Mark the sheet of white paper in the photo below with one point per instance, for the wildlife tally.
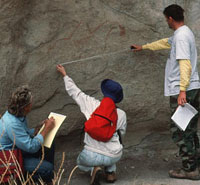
(59, 118)
(183, 115)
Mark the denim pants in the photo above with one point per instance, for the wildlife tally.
(45, 171)
(87, 160)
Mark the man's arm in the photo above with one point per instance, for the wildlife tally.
(157, 45)
(185, 74)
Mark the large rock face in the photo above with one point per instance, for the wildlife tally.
(37, 35)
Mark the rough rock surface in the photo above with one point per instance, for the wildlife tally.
(35, 36)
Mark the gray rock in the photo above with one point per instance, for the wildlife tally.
(35, 36)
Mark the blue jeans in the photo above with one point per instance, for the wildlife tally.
(45, 171)
(87, 160)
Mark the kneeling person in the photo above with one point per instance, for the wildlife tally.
(98, 153)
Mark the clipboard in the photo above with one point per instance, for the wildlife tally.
(59, 118)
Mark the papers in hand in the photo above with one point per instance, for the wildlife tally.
(59, 118)
(183, 115)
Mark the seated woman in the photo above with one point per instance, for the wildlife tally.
(14, 130)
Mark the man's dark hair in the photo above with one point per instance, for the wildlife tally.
(20, 98)
(174, 11)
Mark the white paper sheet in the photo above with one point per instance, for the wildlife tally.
(59, 118)
(183, 115)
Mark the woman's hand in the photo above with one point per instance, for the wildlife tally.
(37, 128)
(49, 125)
(61, 69)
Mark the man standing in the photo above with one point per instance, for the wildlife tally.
(182, 85)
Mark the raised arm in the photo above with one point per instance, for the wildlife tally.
(86, 103)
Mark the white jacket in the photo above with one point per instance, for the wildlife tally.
(88, 105)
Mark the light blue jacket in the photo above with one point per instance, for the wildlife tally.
(14, 129)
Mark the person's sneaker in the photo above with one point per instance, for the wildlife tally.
(182, 174)
(96, 173)
(110, 177)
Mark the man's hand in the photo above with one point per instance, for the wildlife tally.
(61, 69)
(136, 47)
(182, 98)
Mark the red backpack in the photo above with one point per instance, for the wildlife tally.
(11, 165)
(103, 121)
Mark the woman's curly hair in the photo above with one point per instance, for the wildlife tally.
(20, 98)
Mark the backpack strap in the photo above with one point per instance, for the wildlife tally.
(118, 132)
(120, 137)
(103, 117)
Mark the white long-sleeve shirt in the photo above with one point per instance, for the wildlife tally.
(184, 64)
(88, 105)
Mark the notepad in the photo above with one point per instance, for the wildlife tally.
(183, 115)
(59, 118)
